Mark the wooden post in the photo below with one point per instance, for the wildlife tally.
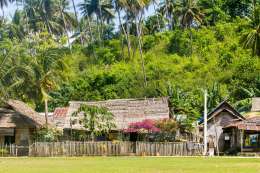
(205, 123)
(216, 135)
(241, 140)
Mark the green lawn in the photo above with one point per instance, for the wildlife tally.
(129, 165)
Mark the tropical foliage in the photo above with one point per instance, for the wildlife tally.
(106, 49)
(96, 120)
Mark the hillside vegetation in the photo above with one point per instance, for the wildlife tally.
(181, 50)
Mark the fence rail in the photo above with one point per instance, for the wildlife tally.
(70, 148)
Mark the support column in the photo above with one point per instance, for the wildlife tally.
(241, 140)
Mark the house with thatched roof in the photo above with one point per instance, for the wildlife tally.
(125, 111)
(232, 131)
(18, 122)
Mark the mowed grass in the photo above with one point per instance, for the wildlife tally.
(130, 165)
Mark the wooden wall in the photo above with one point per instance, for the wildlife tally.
(215, 128)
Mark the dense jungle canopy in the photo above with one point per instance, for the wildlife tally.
(61, 50)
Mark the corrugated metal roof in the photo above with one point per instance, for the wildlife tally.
(60, 112)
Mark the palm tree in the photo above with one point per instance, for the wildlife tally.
(50, 15)
(13, 69)
(68, 21)
(157, 14)
(252, 38)
(77, 19)
(119, 6)
(136, 8)
(171, 10)
(47, 67)
(190, 14)
(101, 9)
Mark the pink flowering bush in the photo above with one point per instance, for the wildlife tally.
(145, 126)
(154, 130)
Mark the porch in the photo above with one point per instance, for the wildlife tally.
(243, 135)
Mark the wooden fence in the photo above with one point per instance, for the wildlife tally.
(13, 150)
(70, 148)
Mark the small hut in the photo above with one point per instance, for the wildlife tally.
(18, 122)
(220, 117)
(247, 131)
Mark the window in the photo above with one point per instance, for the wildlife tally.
(9, 140)
(251, 140)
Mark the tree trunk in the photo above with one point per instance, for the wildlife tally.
(140, 49)
(191, 41)
(92, 135)
(46, 112)
(65, 25)
(101, 21)
(76, 15)
(126, 35)
(157, 16)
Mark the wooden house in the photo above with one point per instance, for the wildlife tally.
(247, 131)
(125, 111)
(232, 131)
(219, 118)
(18, 122)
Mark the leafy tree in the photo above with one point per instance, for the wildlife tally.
(96, 120)
(236, 8)
(212, 10)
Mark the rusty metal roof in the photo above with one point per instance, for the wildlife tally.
(250, 124)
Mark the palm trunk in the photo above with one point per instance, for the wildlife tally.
(140, 49)
(46, 112)
(76, 15)
(157, 16)
(191, 41)
(101, 20)
(126, 35)
(65, 25)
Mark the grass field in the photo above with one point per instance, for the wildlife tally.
(129, 165)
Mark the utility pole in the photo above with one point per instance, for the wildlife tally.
(205, 123)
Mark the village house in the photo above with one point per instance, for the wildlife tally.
(125, 111)
(230, 130)
(18, 122)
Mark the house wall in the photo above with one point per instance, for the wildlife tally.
(2, 140)
(22, 136)
(215, 128)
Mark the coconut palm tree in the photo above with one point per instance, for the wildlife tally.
(171, 10)
(191, 14)
(77, 20)
(121, 5)
(46, 68)
(252, 38)
(100, 9)
(136, 8)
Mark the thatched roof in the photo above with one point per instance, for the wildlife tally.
(17, 114)
(125, 111)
